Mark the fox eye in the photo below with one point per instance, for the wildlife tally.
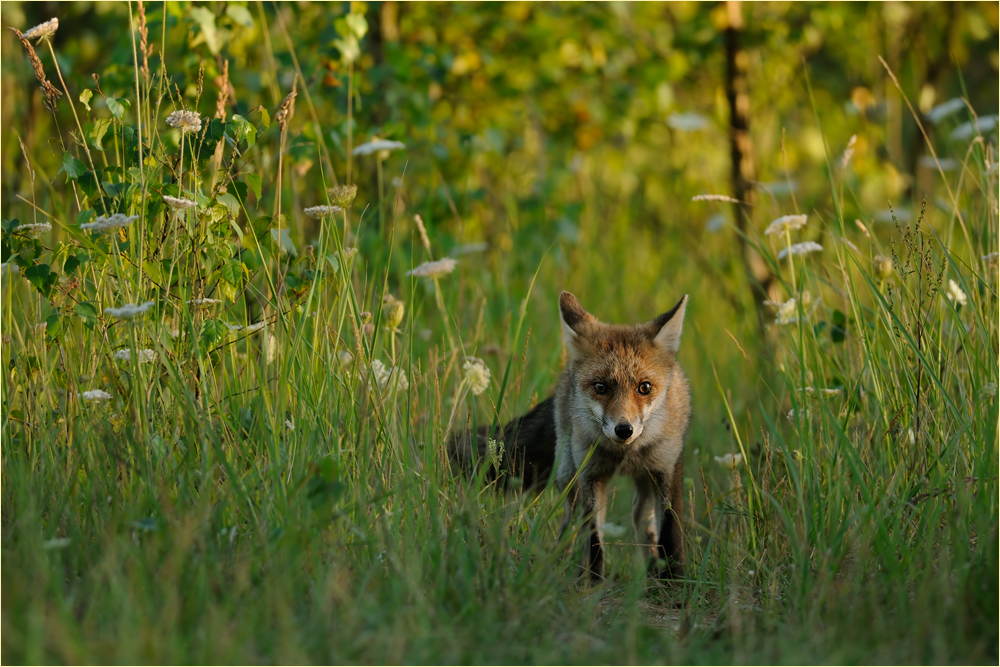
(600, 388)
(645, 388)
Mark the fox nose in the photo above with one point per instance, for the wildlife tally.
(623, 431)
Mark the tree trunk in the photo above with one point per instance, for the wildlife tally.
(741, 153)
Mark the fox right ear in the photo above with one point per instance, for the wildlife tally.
(573, 316)
(669, 325)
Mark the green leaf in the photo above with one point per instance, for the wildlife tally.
(284, 241)
(101, 128)
(244, 130)
(85, 97)
(240, 15)
(118, 106)
(88, 312)
(253, 180)
(42, 278)
(265, 118)
(239, 188)
(71, 264)
(838, 329)
(85, 216)
(206, 21)
(74, 168)
(358, 24)
(212, 331)
(260, 225)
(232, 272)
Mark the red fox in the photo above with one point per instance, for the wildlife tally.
(623, 401)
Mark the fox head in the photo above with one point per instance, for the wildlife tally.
(621, 372)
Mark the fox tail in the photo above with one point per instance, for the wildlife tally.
(528, 452)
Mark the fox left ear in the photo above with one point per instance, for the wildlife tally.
(668, 326)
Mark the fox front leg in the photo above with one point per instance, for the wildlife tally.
(595, 499)
(670, 547)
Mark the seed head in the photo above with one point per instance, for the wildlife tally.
(34, 228)
(882, 267)
(394, 310)
(342, 195)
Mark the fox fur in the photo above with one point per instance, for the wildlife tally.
(621, 406)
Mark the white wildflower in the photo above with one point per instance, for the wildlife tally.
(378, 145)
(982, 126)
(179, 203)
(204, 303)
(46, 29)
(945, 109)
(990, 390)
(723, 198)
(345, 357)
(787, 312)
(289, 425)
(477, 375)
(109, 222)
(95, 395)
(470, 248)
(434, 269)
(129, 310)
(272, 348)
(185, 121)
(812, 391)
(145, 356)
(786, 223)
(955, 294)
(348, 252)
(34, 228)
(848, 152)
(687, 121)
(383, 376)
(850, 245)
(613, 531)
(320, 212)
(792, 414)
(946, 163)
(800, 249)
(729, 461)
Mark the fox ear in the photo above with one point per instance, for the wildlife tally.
(668, 326)
(573, 317)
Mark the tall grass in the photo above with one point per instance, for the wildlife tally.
(262, 490)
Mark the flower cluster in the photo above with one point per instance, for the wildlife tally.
(179, 203)
(800, 249)
(786, 223)
(109, 222)
(342, 195)
(185, 121)
(477, 375)
(729, 461)
(434, 269)
(144, 357)
(46, 29)
(95, 395)
(320, 212)
(204, 303)
(34, 228)
(383, 376)
(378, 145)
(129, 310)
(956, 295)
